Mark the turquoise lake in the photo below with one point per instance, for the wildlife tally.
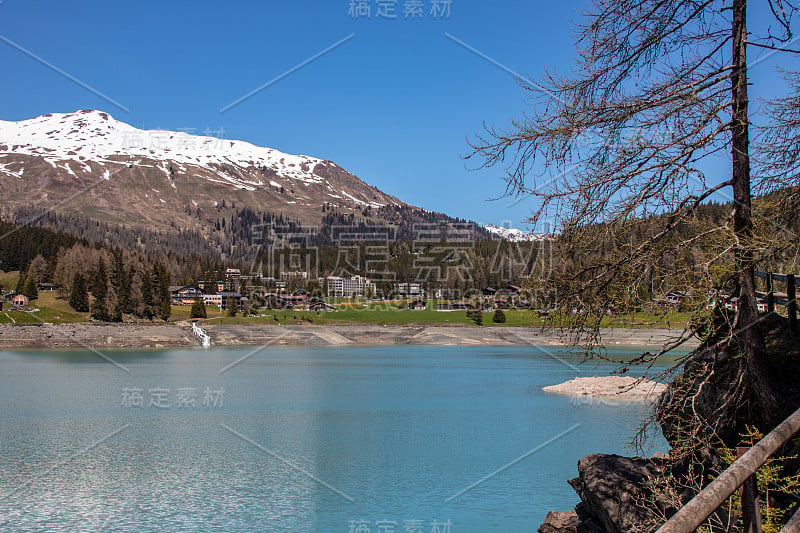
(387, 439)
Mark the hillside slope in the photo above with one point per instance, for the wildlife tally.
(90, 164)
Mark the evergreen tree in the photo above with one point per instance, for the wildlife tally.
(476, 315)
(198, 309)
(147, 295)
(79, 296)
(230, 305)
(30, 287)
(121, 282)
(99, 283)
(100, 293)
(162, 278)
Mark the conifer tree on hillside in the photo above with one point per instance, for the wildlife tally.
(198, 309)
(148, 301)
(100, 293)
(79, 296)
(99, 278)
(30, 285)
(121, 283)
(164, 297)
(230, 306)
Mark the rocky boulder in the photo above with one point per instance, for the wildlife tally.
(577, 521)
(616, 497)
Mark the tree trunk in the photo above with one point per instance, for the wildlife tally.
(747, 336)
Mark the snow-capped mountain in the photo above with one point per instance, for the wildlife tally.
(513, 234)
(90, 161)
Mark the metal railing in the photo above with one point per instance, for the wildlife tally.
(694, 513)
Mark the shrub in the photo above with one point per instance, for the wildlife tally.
(476, 315)
(499, 317)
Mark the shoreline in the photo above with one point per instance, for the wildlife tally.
(179, 334)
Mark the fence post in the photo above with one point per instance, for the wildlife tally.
(751, 514)
(693, 514)
(770, 294)
(792, 302)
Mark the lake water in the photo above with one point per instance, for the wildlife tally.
(394, 439)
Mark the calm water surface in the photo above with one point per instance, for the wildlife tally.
(296, 439)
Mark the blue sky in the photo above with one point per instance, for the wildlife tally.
(394, 104)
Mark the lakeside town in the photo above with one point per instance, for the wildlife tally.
(377, 265)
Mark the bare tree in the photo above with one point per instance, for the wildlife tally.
(658, 99)
(780, 147)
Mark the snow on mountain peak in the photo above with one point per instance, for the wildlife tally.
(95, 135)
(513, 234)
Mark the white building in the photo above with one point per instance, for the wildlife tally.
(408, 289)
(348, 287)
(213, 299)
(295, 274)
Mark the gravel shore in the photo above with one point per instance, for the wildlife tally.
(44, 336)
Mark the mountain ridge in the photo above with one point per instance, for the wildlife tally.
(88, 164)
(63, 156)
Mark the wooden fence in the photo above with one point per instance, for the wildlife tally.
(740, 474)
(787, 299)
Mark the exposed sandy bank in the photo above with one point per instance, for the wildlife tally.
(179, 334)
(623, 387)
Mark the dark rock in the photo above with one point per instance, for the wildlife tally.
(577, 521)
(614, 491)
(557, 522)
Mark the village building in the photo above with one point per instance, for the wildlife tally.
(19, 302)
(320, 306)
(453, 306)
(417, 305)
(185, 294)
(291, 300)
(408, 289)
(227, 296)
(675, 297)
(356, 286)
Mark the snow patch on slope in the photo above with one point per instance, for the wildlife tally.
(513, 234)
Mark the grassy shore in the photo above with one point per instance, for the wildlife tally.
(52, 310)
(389, 315)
